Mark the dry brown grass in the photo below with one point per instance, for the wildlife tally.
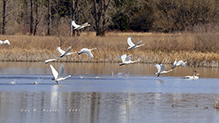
(197, 49)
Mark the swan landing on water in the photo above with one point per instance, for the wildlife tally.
(58, 76)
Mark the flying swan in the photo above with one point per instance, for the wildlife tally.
(4, 42)
(58, 76)
(65, 53)
(160, 69)
(78, 27)
(132, 45)
(126, 60)
(178, 63)
(49, 60)
(87, 51)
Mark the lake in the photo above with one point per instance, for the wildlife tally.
(106, 93)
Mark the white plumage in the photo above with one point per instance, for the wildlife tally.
(78, 27)
(65, 53)
(160, 69)
(126, 60)
(58, 76)
(132, 45)
(87, 51)
(49, 60)
(178, 63)
(5, 42)
(194, 76)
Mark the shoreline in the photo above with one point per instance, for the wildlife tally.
(159, 48)
(190, 63)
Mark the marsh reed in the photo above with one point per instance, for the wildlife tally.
(199, 49)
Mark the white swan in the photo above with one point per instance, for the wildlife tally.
(14, 82)
(65, 53)
(194, 76)
(126, 60)
(78, 27)
(49, 60)
(35, 83)
(178, 63)
(87, 51)
(5, 42)
(160, 69)
(132, 45)
(58, 76)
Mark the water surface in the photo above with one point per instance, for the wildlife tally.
(106, 93)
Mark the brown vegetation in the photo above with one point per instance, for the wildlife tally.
(196, 49)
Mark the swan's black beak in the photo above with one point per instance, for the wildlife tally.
(79, 53)
(53, 78)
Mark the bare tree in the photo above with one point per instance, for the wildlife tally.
(37, 20)
(31, 17)
(49, 18)
(99, 17)
(3, 17)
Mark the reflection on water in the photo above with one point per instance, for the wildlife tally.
(117, 107)
(106, 93)
(102, 68)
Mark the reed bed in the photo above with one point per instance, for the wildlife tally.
(199, 50)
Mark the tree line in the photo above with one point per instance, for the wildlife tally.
(53, 17)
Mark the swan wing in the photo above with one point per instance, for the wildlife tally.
(181, 62)
(60, 50)
(49, 60)
(88, 52)
(130, 43)
(74, 24)
(85, 25)
(7, 42)
(128, 58)
(69, 48)
(162, 67)
(123, 57)
(139, 43)
(174, 63)
(54, 72)
(158, 67)
(61, 71)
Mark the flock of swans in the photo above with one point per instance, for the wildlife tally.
(58, 76)
(160, 67)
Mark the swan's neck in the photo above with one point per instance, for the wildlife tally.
(135, 61)
(168, 71)
(72, 53)
(140, 45)
(66, 77)
(93, 49)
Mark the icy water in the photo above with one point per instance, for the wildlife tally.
(106, 93)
